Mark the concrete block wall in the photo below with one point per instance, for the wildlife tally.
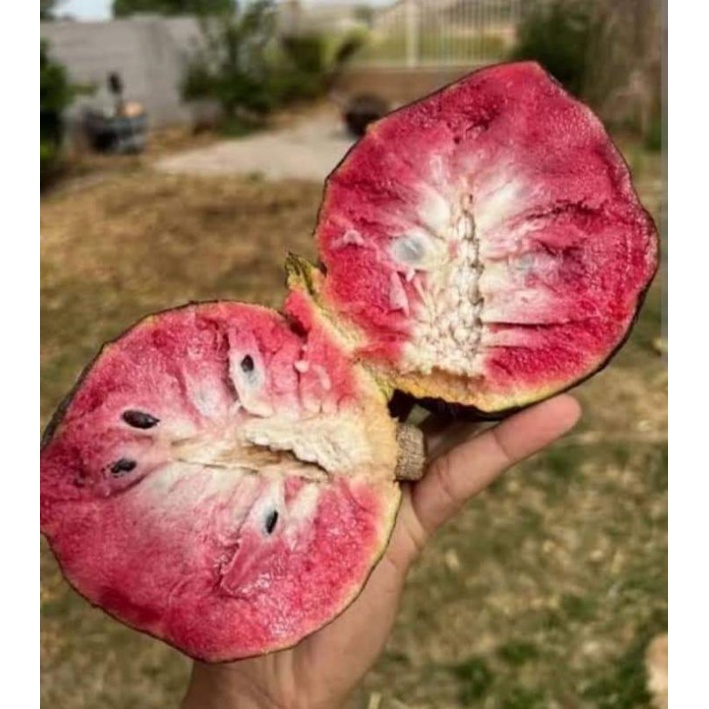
(150, 54)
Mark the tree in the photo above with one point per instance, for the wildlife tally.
(559, 35)
(232, 65)
(55, 94)
(249, 68)
(125, 8)
(47, 8)
(365, 14)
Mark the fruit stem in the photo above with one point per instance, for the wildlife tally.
(412, 453)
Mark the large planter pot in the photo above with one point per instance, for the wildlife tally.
(117, 134)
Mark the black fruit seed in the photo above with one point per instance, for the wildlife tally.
(139, 419)
(247, 364)
(123, 466)
(271, 520)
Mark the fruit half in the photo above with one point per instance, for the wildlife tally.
(485, 245)
(220, 481)
(224, 477)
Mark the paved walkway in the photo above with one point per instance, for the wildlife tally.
(309, 151)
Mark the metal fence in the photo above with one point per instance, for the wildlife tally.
(437, 33)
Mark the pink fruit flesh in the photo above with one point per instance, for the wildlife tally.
(486, 241)
(220, 481)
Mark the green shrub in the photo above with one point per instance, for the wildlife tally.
(55, 94)
(249, 71)
(232, 67)
(48, 162)
(654, 134)
(126, 8)
(311, 62)
(306, 52)
(559, 35)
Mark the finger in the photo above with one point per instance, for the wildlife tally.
(440, 430)
(448, 437)
(470, 467)
(435, 424)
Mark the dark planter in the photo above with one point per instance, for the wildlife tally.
(117, 134)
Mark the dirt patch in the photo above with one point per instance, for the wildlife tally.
(307, 150)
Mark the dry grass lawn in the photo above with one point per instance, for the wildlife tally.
(543, 593)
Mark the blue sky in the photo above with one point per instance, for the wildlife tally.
(87, 9)
(101, 9)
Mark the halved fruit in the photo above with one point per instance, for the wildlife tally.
(220, 481)
(224, 478)
(485, 245)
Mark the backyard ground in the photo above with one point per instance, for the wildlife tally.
(543, 593)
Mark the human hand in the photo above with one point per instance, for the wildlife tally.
(324, 668)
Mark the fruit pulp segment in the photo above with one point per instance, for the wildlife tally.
(214, 481)
(488, 240)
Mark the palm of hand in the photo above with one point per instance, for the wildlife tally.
(323, 669)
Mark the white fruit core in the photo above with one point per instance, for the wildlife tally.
(315, 446)
(443, 265)
(335, 444)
